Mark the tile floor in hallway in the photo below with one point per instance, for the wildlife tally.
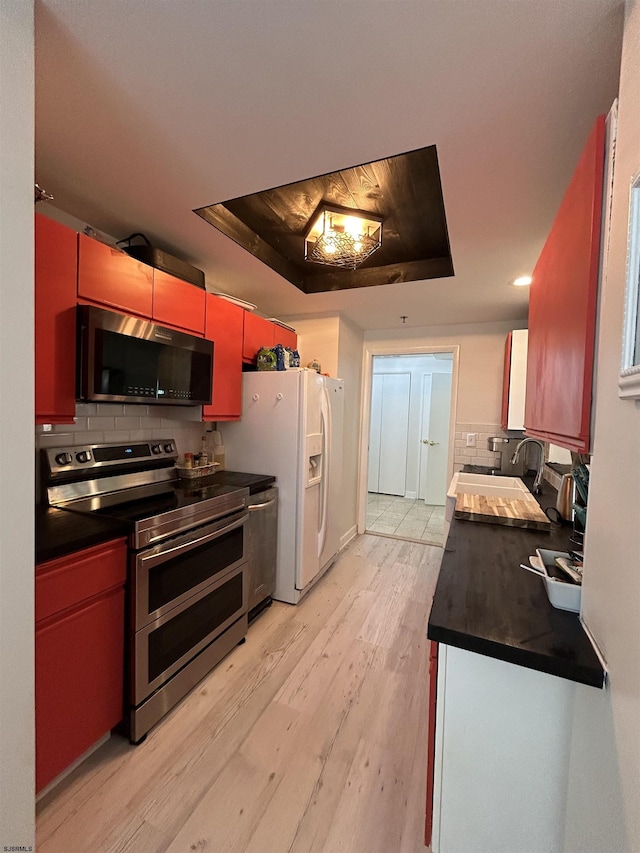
(406, 518)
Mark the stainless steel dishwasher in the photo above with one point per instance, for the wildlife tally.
(262, 538)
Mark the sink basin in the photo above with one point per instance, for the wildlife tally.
(485, 484)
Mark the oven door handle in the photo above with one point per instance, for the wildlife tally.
(153, 559)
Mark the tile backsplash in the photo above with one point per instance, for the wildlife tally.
(97, 423)
(480, 454)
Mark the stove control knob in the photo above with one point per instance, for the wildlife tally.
(84, 456)
(168, 448)
(156, 448)
(64, 459)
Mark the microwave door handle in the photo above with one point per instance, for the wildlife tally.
(256, 507)
(154, 559)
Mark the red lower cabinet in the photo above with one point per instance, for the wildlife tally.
(79, 654)
(431, 740)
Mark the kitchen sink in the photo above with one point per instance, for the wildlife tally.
(485, 484)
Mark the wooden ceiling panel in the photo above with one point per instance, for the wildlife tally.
(404, 190)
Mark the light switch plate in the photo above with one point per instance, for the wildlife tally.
(472, 437)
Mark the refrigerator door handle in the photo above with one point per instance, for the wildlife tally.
(325, 415)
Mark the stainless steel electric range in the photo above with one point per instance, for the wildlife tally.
(186, 587)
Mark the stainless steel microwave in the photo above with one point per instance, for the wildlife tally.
(126, 359)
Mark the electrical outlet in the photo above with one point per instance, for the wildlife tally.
(471, 439)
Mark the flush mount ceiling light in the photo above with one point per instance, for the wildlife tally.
(341, 237)
(277, 226)
(522, 281)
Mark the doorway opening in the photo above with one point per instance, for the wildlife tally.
(408, 428)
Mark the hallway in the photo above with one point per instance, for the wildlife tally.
(405, 518)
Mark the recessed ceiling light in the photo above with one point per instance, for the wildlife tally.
(522, 281)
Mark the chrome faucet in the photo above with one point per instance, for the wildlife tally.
(514, 459)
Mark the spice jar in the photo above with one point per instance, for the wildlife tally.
(188, 460)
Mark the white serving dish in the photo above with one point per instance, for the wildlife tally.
(484, 484)
(563, 595)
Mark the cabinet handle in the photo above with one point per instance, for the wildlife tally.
(430, 443)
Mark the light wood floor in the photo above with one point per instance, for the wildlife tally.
(309, 737)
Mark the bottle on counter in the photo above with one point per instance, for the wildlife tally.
(188, 460)
(204, 452)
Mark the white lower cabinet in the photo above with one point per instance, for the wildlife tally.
(503, 735)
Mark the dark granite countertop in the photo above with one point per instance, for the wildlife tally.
(60, 532)
(254, 482)
(485, 603)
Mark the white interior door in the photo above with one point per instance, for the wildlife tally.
(436, 406)
(394, 390)
(374, 433)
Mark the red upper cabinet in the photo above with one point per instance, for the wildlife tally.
(178, 303)
(258, 333)
(113, 278)
(56, 266)
(285, 337)
(562, 309)
(224, 326)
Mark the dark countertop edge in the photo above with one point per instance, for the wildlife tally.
(592, 677)
(60, 532)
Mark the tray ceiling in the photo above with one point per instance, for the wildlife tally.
(405, 191)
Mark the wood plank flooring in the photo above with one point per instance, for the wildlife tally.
(309, 738)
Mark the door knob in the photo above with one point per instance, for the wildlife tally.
(430, 443)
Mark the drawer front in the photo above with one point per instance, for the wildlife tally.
(67, 581)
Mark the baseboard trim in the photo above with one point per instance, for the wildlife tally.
(348, 536)
(411, 496)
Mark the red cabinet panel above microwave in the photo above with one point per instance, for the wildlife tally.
(110, 277)
(178, 303)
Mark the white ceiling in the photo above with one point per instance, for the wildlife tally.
(147, 109)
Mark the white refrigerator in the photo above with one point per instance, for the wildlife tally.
(291, 427)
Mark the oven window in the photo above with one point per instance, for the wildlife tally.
(169, 642)
(170, 580)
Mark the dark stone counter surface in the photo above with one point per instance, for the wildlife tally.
(60, 532)
(254, 482)
(485, 603)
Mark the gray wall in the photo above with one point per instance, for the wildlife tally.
(17, 752)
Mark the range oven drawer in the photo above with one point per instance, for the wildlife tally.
(179, 568)
(167, 645)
